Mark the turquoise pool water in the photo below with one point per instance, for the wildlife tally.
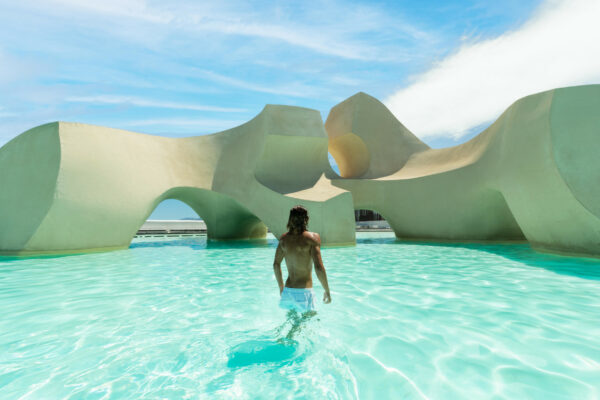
(186, 318)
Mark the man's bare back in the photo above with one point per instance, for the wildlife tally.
(300, 252)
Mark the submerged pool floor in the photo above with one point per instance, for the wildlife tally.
(186, 318)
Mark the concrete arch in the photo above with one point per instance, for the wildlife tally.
(533, 173)
(106, 182)
(446, 206)
(225, 218)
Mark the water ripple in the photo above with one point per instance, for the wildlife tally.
(165, 319)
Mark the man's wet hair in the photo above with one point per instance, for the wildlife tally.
(298, 220)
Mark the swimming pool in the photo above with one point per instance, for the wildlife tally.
(186, 318)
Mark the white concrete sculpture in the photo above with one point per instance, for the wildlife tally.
(534, 174)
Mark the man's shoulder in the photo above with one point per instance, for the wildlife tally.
(314, 237)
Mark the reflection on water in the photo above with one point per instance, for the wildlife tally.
(200, 243)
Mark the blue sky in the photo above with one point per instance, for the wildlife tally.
(446, 69)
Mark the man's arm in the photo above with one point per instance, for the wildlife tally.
(319, 267)
(279, 253)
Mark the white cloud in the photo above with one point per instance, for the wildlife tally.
(559, 46)
(317, 28)
(128, 100)
(137, 9)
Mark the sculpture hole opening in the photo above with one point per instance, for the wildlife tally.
(370, 220)
(351, 155)
(333, 163)
(172, 209)
(173, 217)
(220, 216)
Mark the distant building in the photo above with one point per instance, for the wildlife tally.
(367, 215)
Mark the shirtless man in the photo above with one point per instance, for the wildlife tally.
(301, 249)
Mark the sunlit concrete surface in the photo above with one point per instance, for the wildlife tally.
(532, 175)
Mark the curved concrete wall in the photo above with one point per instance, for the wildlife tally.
(106, 182)
(533, 175)
(29, 166)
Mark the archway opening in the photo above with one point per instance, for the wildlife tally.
(173, 209)
(173, 217)
(218, 215)
(370, 220)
